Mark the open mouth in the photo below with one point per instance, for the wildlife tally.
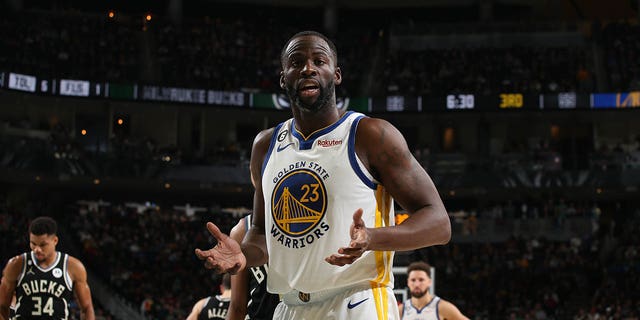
(309, 89)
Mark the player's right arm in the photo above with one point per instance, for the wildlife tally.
(254, 245)
(239, 281)
(196, 309)
(10, 276)
(228, 256)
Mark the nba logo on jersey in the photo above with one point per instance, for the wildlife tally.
(57, 272)
(299, 202)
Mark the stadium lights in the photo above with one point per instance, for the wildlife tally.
(148, 17)
(83, 132)
(111, 14)
(120, 121)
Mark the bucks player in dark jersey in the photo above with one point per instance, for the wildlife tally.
(214, 307)
(44, 280)
(250, 299)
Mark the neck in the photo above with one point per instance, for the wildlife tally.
(420, 303)
(46, 263)
(307, 122)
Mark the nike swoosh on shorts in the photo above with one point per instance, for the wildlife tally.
(351, 306)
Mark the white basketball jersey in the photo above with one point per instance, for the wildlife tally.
(428, 312)
(312, 186)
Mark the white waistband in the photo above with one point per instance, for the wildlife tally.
(295, 297)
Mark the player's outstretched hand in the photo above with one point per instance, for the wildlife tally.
(360, 239)
(226, 256)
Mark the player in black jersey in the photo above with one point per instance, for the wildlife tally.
(44, 280)
(213, 307)
(250, 299)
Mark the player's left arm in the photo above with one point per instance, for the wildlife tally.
(448, 311)
(384, 151)
(386, 154)
(81, 289)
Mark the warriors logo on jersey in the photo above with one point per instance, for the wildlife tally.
(299, 202)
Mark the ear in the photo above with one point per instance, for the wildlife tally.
(282, 84)
(338, 76)
(55, 240)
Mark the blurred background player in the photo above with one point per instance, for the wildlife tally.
(250, 299)
(44, 279)
(213, 307)
(423, 305)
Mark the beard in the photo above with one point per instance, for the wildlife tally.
(323, 100)
(419, 294)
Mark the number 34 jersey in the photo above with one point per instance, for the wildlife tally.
(43, 293)
(312, 186)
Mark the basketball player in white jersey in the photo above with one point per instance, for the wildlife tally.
(44, 280)
(423, 305)
(323, 203)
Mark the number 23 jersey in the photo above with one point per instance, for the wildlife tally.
(312, 186)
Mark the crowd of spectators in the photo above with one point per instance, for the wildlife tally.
(621, 46)
(535, 278)
(137, 247)
(486, 71)
(242, 53)
(69, 45)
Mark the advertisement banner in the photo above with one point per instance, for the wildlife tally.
(226, 98)
(169, 94)
(22, 82)
(565, 100)
(121, 91)
(397, 104)
(74, 88)
(615, 100)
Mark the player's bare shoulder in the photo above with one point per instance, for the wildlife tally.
(380, 144)
(13, 267)
(449, 311)
(263, 138)
(238, 231)
(76, 269)
(261, 144)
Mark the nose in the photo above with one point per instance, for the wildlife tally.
(309, 69)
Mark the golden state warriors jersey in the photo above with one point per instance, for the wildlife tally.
(428, 312)
(312, 186)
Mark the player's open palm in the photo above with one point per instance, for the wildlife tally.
(360, 240)
(226, 256)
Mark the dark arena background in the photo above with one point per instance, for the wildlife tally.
(131, 123)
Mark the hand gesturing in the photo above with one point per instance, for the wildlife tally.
(226, 256)
(360, 240)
